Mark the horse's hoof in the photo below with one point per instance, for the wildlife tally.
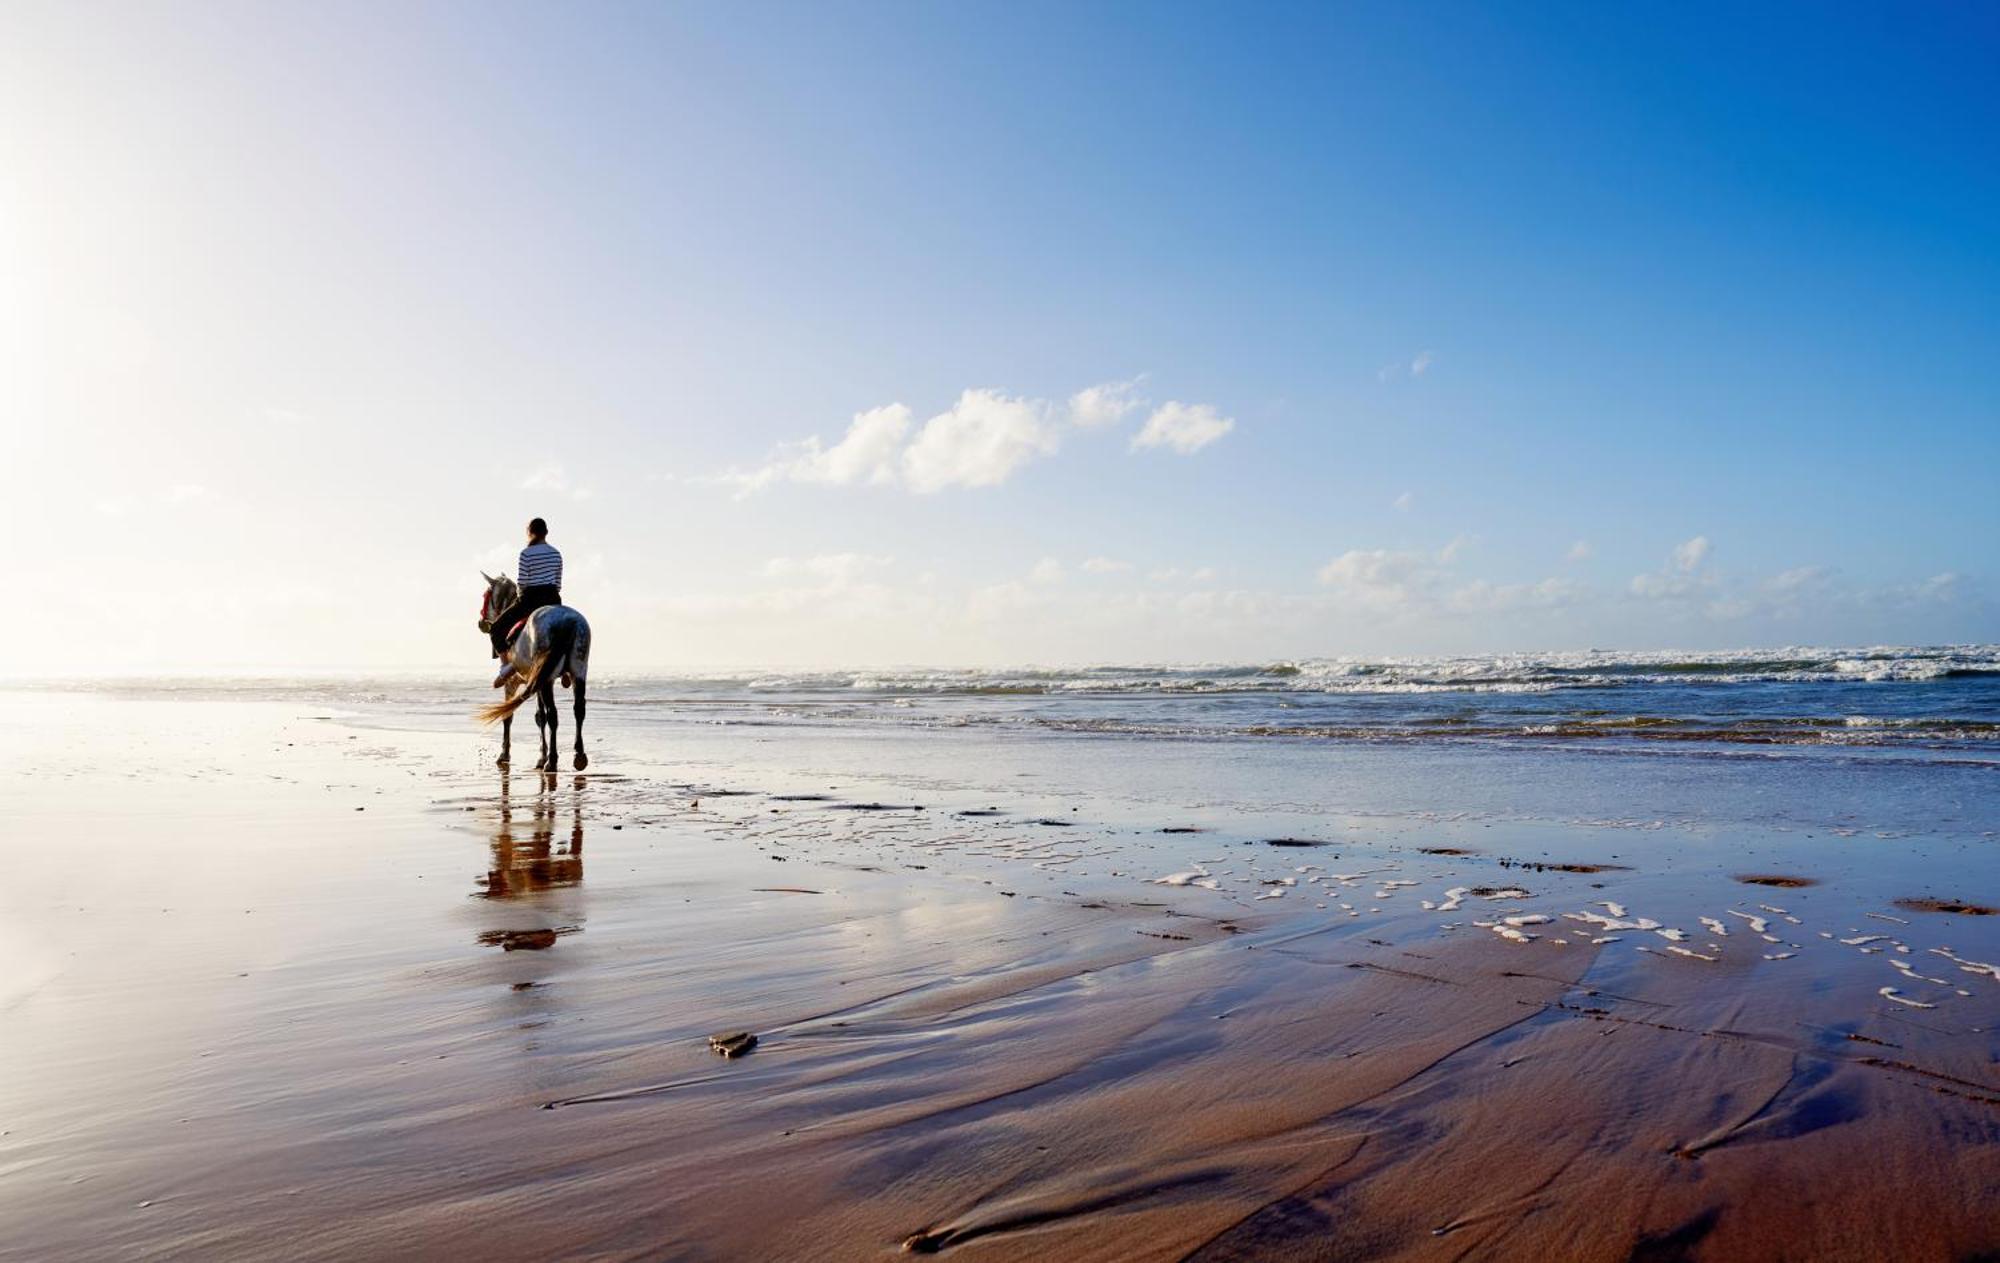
(502, 761)
(582, 760)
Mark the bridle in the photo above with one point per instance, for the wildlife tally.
(486, 606)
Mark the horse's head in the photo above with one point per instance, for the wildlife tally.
(501, 592)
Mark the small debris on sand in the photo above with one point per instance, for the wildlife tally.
(732, 1044)
(521, 940)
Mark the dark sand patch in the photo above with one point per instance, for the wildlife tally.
(1446, 850)
(1955, 906)
(1780, 880)
(1183, 828)
(1542, 866)
(1294, 842)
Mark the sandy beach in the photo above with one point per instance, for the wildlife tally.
(290, 980)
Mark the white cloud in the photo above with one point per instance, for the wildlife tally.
(1416, 366)
(1798, 579)
(1105, 565)
(1681, 577)
(1654, 587)
(1688, 556)
(1380, 579)
(1106, 402)
(1941, 587)
(831, 567)
(980, 442)
(1580, 550)
(1482, 597)
(1403, 502)
(1047, 570)
(551, 478)
(1394, 583)
(867, 453)
(1186, 428)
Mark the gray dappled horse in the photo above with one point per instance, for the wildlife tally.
(553, 644)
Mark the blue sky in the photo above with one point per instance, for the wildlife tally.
(1538, 327)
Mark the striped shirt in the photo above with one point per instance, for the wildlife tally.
(541, 566)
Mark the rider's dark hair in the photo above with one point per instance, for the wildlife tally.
(538, 527)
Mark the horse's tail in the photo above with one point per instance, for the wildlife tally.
(552, 660)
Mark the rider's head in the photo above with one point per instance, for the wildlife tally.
(537, 530)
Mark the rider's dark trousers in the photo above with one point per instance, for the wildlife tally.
(532, 598)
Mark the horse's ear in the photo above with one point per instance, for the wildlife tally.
(487, 577)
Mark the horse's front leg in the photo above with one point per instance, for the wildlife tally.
(582, 759)
(555, 723)
(542, 731)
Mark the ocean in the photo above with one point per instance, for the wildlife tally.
(1939, 702)
(1881, 740)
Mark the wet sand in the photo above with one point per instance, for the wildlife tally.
(282, 985)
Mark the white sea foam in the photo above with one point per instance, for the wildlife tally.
(1608, 924)
(1969, 966)
(1890, 993)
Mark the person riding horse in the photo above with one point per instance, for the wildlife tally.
(540, 575)
(541, 643)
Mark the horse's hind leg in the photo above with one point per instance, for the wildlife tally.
(506, 741)
(582, 759)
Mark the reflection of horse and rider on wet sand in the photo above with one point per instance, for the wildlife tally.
(538, 862)
(539, 643)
